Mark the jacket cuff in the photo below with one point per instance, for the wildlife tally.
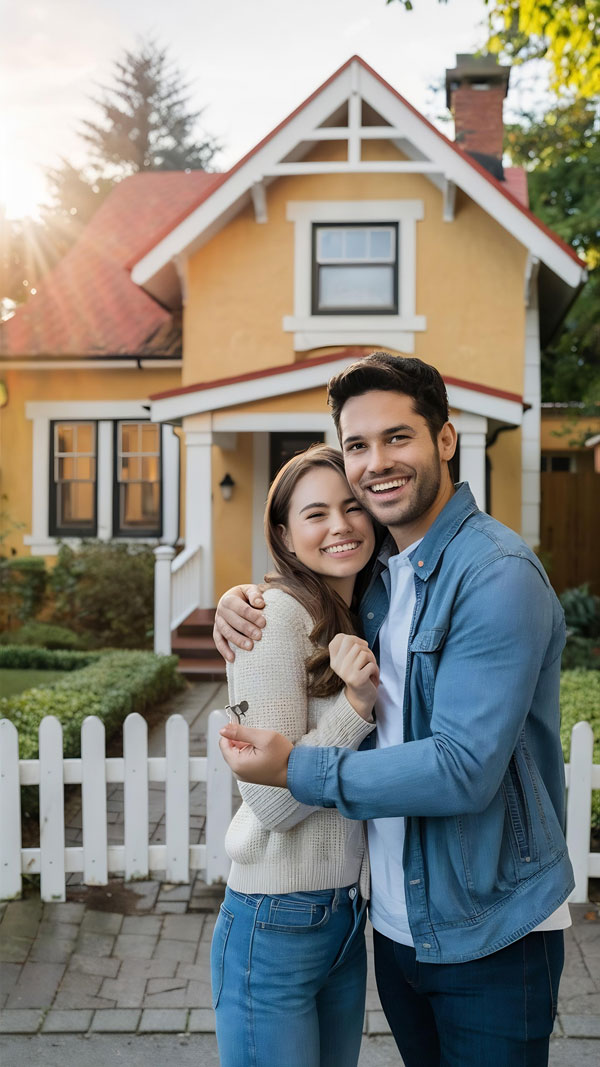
(307, 771)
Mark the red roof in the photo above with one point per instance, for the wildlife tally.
(357, 352)
(88, 305)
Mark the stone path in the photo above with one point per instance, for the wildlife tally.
(134, 959)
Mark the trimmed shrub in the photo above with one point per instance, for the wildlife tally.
(42, 635)
(106, 591)
(583, 652)
(582, 611)
(111, 687)
(580, 702)
(26, 658)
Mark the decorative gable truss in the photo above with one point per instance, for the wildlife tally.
(355, 106)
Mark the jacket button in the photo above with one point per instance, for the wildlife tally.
(527, 859)
(426, 944)
(420, 563)
(370, 615)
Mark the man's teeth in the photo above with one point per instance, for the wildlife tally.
(335, 549)
(382, 487)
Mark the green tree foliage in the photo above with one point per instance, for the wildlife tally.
(146, 123)
(562, 154)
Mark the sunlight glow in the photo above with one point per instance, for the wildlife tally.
(22, 184)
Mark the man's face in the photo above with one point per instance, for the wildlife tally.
(393, 466)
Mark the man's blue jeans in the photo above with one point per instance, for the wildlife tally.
(289, 978)
(497, 1011)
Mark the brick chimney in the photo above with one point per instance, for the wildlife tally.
(475, 91)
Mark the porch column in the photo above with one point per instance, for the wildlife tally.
(163, 556)
(198, 503)
(472, 437)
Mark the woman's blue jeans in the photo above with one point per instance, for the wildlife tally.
(497, 1011)
(289, 977)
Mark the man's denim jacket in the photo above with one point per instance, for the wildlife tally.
(480, 777)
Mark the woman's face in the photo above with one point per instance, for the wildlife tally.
(328, 530)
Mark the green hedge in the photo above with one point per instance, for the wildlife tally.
(43, 635)
(24, 658)
(111, 687)
(580, 702)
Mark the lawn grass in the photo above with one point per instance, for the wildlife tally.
(14, 681)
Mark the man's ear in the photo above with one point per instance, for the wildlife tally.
(285, 537)
(447, 441)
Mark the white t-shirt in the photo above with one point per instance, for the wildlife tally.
(386, 836)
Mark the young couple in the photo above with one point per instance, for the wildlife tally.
(462, 783)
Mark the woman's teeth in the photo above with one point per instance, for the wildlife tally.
(336, 549)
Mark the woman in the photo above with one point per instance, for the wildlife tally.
(288, 956)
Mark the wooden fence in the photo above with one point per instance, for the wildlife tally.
(569, 525)
(136, 858)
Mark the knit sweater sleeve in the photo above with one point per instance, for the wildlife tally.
(272, 679)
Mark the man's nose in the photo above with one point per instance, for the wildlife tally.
(378, 461)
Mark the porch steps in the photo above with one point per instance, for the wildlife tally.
(192, 641)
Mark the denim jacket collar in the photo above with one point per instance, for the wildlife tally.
(460, 506)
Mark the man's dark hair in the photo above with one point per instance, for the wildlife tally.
(398, 374)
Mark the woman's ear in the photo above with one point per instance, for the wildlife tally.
(285, 537)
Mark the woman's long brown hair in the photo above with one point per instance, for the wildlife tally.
(328, 611)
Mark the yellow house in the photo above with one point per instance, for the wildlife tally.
(355, 225)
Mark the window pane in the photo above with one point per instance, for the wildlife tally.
(149, 442)
(356, 287)
(84, 439)
(150, 469)
(66, 470)
(129, 437)
(131, 469)
(140, 505)
(330, 244)
(64, 438)
(382, 244)
(356, 244)
(84, 469)
(75, 502)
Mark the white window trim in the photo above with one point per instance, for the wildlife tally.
(42, 414)
(317, 331)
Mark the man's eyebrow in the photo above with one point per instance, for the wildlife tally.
(403, 428)
(320, 504)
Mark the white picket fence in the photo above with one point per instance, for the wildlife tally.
(95, 858)
(136, 858)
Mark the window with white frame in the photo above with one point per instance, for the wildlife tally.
(355, 269)
(355, 273)
(137, 499)
(73, 479)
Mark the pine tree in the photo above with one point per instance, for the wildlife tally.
(146, 123)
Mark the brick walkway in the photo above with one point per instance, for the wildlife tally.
(135, 958)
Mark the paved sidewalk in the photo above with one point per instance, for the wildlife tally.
(133, 960)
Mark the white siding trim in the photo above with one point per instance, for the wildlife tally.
(260, 487)
(88, 409)
(170, 486)
(104, 480)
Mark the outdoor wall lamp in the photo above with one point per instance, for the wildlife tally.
(226, 485)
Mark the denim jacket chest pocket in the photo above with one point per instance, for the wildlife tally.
(425, 649)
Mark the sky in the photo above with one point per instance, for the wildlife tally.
(248, 64)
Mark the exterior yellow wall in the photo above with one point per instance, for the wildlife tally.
(232, 519)
(566, 432)
(469, 282)
(16, 437)
(505, 482)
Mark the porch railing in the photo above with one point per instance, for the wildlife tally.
(177, 591)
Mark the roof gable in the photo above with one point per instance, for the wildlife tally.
(356, 91)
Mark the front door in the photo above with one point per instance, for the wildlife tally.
(284, 445)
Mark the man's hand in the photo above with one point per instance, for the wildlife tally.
(238, 620)
(259, 756)
(353, 662)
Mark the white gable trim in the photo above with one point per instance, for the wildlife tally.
(352, 82)
(170, 408)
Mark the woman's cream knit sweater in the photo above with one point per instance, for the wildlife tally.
(276, 844)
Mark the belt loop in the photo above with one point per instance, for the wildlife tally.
(335, 901)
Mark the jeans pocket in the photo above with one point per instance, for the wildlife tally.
(217, 952)
(286, 915)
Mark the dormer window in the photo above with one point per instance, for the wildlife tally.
(355, 269)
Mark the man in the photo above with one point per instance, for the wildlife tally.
(465, 789)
